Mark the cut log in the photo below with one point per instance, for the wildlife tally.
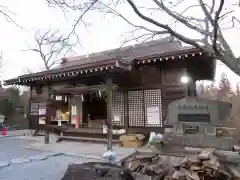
(206, 166)
(195, 168)
(206, 153)
(222, 170)
(212, 163)
(194, 160)
(184, 160)
(133, 165)
(234, 171)
(192, 175)
(178, 175)
(168, 178)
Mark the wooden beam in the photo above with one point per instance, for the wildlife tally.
(80, 90)
(109, 112)
(29, 109)
(126, 114)
(46, 132)
(69, 109)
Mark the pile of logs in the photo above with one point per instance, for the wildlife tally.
(150, 165)
(202, 166)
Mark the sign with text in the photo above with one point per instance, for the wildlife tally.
(42, 111)
(153, 115)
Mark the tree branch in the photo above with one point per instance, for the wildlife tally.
(50, 46)
(216, 27)
(5, 12)
(166, 27)
(2, 62)
(130, 23)
(208, 27)
(180, 18)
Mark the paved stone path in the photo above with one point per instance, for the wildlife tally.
(11, 152)
(90, 150)
(18, 163)
(12, 148)
(50, 169)
(31, 159)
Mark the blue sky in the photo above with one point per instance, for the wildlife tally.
(102, 33)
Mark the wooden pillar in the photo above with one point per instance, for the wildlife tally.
(28, 115)
(126, 114)
(69, 109)
(109, 112)
(46, 132)
(144, 107)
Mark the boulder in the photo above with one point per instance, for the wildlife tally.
(97, 171)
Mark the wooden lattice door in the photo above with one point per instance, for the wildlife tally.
(118, 108)
(136, 108)
(153, 108)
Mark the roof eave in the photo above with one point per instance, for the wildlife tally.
(100, 67)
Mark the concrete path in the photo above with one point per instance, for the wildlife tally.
(81, 149)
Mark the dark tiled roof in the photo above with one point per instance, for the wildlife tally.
(134, 51)
(153, 49)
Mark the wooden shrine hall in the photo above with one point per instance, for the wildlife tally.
(128, 87)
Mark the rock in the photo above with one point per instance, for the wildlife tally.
(97, 171)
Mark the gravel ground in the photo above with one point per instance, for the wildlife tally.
(52, 168)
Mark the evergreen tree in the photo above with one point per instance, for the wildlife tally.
(10, 101)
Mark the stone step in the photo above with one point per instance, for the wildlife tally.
(86, 139)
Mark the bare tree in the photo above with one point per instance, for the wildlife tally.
(27, 70)
(213, 17)
(8, 15)
(50, 46)
(2, 62)
(225, 87)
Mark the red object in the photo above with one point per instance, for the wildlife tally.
(4, 131)
(76, 121)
